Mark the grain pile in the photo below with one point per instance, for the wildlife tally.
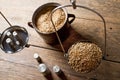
(44, 23)
(84, 57)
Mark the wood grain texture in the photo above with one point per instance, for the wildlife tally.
(22, 66)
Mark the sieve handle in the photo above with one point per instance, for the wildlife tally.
(71, 16)
(30, 24)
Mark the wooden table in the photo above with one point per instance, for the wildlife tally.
(22, 65)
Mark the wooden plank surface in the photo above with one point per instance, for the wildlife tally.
(22, 66)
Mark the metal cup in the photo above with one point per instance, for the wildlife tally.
(51, 37)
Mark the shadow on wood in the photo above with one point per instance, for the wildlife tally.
(49, 76)
(72, 38)
(62, 76)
